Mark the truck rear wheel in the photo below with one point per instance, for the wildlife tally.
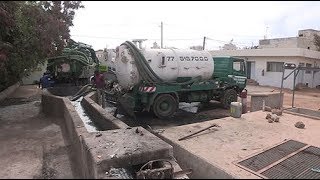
(165, 106)
(229, 96)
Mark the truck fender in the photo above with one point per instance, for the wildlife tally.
(153, 97)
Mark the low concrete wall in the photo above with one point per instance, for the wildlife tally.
(5, 93)
(74, 133)
(309, 113)
(92, 154)
(201, 169)
(273, 100)
(100, 116)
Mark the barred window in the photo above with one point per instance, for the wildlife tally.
(308, 65)
(274, 66)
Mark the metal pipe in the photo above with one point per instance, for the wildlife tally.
(281, 104)
(213, 125)
(294, 87)
(291, 72)
(161, 35)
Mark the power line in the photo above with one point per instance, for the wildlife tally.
(169, 39)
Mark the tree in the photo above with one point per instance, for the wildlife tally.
(31, 31)
(317, 41)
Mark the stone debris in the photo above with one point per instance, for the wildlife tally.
(98, 134)
(272, 118)
(268, 116)
(299, 125)
(267, 108)
(278, 112)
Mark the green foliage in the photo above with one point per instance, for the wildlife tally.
(31, 31)
(317, 41)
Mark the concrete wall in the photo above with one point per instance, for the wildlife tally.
(201, 169)
(5, 93)
(291, 42)
(91, 156)
(100, 116)
(273, 100)
(74, 133)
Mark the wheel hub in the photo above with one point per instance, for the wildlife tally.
(164, 106)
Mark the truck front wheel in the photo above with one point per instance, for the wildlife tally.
(229, 96)
(165, 106)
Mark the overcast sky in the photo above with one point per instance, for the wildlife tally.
(110, 23)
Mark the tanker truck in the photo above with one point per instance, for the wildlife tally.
(158, 79)
(76, 64)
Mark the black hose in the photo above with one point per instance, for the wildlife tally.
(146, 72)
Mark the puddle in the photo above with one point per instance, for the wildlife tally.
(90, 126)
(190, 107)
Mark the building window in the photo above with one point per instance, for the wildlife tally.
(274, 66)
(308, 65)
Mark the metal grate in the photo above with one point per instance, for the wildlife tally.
(272, 155)
(297, 166)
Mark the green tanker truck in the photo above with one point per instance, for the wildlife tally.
(76, 64)
(158, 79)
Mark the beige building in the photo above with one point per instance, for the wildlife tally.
(106, 57)
(264, 64)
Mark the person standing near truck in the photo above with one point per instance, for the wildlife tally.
(100, 84)
(46, 81)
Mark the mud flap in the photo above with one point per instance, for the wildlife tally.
(126, 103)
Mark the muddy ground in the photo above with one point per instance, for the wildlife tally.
(189, 113)
(32, 146)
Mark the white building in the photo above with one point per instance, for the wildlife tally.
(107, 57)
(264, 64)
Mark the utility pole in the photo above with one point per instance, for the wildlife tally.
(161, 35)
(204, 42)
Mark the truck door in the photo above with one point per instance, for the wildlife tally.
(239, 72)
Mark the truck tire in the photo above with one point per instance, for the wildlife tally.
(229, 96)
(164, 106)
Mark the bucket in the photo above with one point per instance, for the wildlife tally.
(236, 109)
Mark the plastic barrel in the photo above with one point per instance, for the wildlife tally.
(236, 109)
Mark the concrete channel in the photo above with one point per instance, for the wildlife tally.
(114, 150)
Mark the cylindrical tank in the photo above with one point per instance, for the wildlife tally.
(168, 64)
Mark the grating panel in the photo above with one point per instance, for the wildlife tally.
(298, 166)
(272, 155)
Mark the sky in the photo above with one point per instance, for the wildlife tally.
(107, 24)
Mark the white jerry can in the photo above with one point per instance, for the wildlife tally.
(236, 109)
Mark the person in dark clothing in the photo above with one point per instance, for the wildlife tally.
(45, 81)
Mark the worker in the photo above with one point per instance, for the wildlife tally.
(100, 84)
(45, 81)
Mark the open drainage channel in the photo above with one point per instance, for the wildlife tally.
(89, 124)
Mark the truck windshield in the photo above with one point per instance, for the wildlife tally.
(238, 65)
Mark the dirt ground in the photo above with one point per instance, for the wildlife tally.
(306, 98)
(237, 138)
(32, 146)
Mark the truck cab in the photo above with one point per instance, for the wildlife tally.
(230, 72)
